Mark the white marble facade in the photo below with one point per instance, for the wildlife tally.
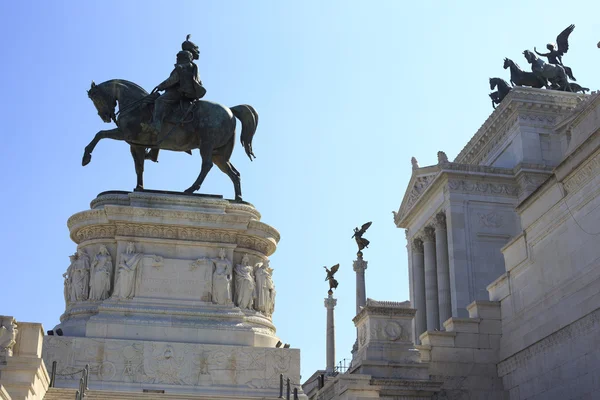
(513, 219)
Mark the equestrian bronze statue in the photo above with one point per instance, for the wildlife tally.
(188, 123)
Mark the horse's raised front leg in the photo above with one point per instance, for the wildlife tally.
(139, 156)
(207, 163)
(115, 134)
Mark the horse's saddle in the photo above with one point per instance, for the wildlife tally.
(181, 113)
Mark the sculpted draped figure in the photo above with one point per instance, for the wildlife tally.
(68, 277)
(265, 288)
(8, 335)
(221, 284)
(244, 283)
(125, 284)
(100, 275)
(79, 276)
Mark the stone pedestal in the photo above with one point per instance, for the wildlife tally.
(172, 292)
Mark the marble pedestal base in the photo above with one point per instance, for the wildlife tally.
(171, 292)
(200, 369)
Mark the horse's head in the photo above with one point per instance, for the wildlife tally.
(493, 83)
(529, 56)
(104, 103)
(507, 63)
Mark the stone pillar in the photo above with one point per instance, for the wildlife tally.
(431, 289)
(419, 288)
(359, 267)
(443, 271)
(330, 303)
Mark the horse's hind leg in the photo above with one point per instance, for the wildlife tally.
(231, 172)
(207, 163)
(139, 155)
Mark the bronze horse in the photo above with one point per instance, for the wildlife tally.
(212, 130)
(518, 77)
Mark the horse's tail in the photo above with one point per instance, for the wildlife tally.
(249, 118)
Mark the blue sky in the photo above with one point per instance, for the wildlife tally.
(346, 91)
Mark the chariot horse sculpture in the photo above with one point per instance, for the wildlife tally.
(211, 130)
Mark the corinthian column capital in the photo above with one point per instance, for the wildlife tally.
(428, 234)
(416, 245)
(440, 221)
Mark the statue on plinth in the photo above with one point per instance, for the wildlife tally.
(244, 283)
(196, 124)
(8, 336)
(358, 233)
(333, 283)
(221, 279)
(79, 276)
(100, 275)
(125, 284)
(265, 288)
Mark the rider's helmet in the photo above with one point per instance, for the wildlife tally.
(191, 47)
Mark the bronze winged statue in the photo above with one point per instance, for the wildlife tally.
(333, 283)
(360, 241)
(559, 49)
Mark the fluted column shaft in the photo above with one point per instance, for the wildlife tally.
(443, 269)
(330, 304)
(431, 289)
(419, 288)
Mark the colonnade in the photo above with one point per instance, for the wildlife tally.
(431, 276)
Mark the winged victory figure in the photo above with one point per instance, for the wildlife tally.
(559, 49)
(360, 241)
(333, 283)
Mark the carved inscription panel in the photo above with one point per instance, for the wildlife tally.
(175, 279)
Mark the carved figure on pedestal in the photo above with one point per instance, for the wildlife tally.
(333, 283)
(8, 336)
(101, 270)
(265, 288)
(126, 272)
(244, 283)
(221, 279)
(80, 277)
(68, 290)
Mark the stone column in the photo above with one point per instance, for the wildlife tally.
(419, 288)
(443, 271)
(330, 303)
(431, 290)
(359, 267)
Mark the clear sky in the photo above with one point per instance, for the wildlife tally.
(346, 91)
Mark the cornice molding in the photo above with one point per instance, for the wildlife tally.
(526, 104)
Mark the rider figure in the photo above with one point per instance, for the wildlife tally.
(182, 84)
(554, 56)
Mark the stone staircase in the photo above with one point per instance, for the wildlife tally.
(69, 394)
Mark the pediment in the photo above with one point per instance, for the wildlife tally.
(420, 181)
